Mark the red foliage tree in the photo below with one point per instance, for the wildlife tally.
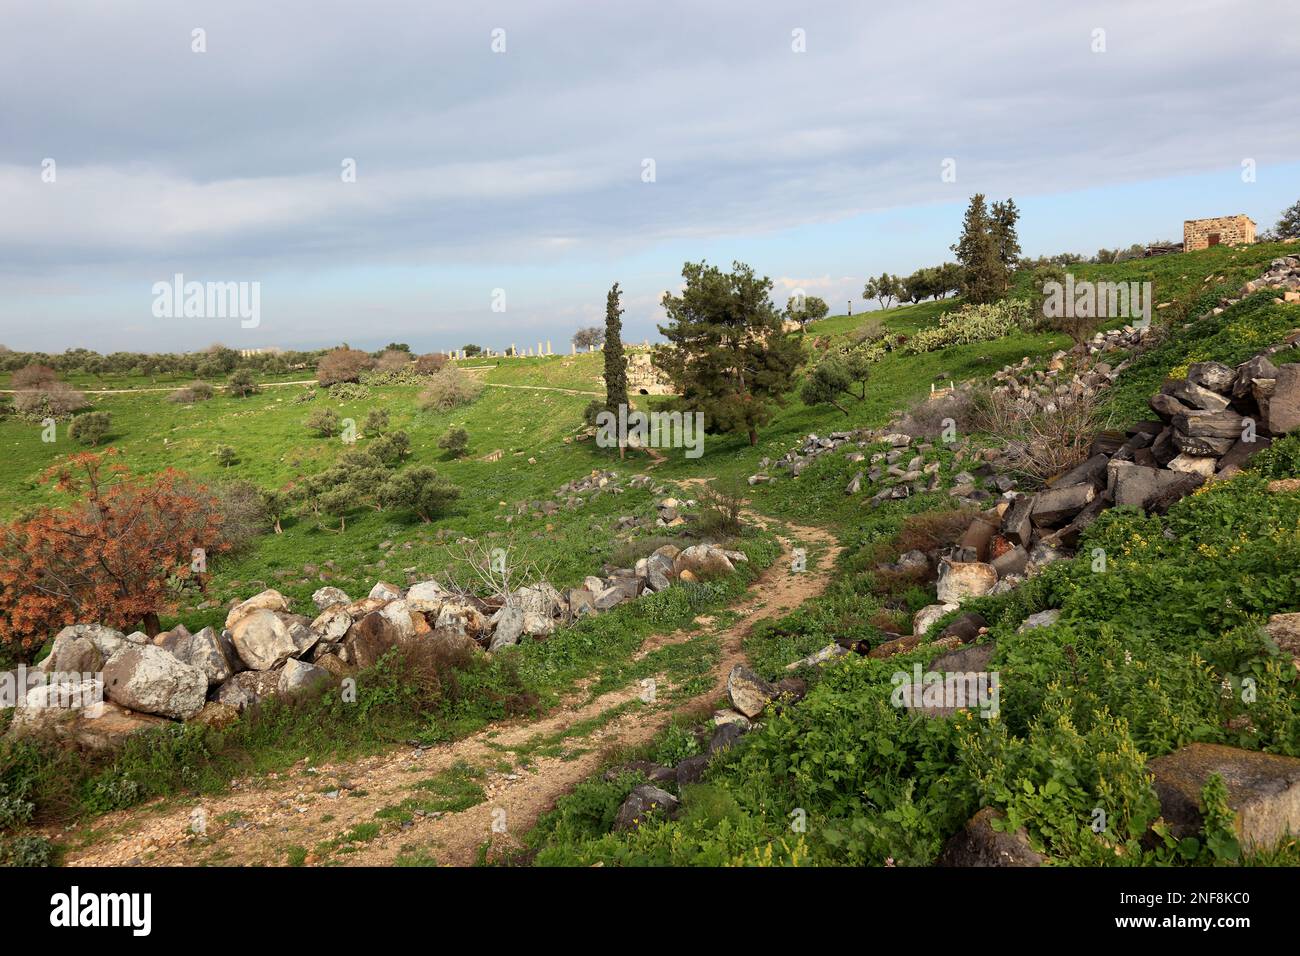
(108, 558)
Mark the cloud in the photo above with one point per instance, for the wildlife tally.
(524, 168)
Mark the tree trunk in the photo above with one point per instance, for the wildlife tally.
(152, 626)
(753, 438)
(278, 529)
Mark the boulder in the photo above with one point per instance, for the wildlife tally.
(460, 620)
(610, 597)
(724, 717)
(268, 600)
(151, 680)
(1254, 370)
(375, 635)
(1263, 791)
(262, 639)
(979, 844)
(247, 688)
(329, 596)
(1284, 404)
(581, 602)
(964, 660)
(538, 626)
(509, 628)
(64, 651)
(1209, 424)
(1056, 506)
(1016, 525)
(704, 561)
(959, 580)
(332, 624)
(1194, 465)
(1215, 376)
(298, 676)
(74, 655)
(99, 726)
(1284, 631)
(206, 650)
(1041, 619)
(928, 615)
(1013, 561)
(426, 597)
(827, 653)
(217, 714)
(1137, 485)
(641, 803)
(1092, 471)
(383, 591)
(657, 579)
(748, 692)
(965, 628)
(691, 770)
(1189, 393)
(724, 736)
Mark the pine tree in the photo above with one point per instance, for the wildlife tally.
(727, 356)
(1288, 227)
(1005, 216)
(615, 361)
(983, 276)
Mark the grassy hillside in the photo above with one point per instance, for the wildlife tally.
(1179, 605)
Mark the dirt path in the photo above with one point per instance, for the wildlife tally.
(523, 767)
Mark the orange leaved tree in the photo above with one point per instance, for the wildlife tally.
(106, 558)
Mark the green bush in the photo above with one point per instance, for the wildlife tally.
(90, 428)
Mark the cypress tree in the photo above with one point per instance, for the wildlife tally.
(615, 361)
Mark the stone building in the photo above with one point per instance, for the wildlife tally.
(1225, 230)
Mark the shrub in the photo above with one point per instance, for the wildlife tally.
(349, 392)
(323, 422)
(140, 532)
(376, 421)
(53, 400)
(226, 456)
(455, 443)
(391, 449)
(90, 428)
(342, 365)
(33, 377)
(720, 508)
(1055, 438)
(392, 360)
(927, 418)
(972, 323)
(194, 392)
(449, 389)
(241, 384)
(420, 489)
(430, 364)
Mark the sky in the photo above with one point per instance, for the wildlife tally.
(513, 160)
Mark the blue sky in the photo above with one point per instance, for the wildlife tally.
(521, 170)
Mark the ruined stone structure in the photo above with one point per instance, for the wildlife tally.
(642, 377)
(1225, 230)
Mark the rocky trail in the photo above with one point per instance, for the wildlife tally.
(326, 815)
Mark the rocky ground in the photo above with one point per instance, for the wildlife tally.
(316, 808)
